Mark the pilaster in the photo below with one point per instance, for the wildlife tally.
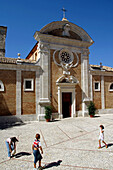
(18, 93)
(37, 89)
(91, 87)
(85, 81)
(45, 78)
(60, 102)
(44, 96)
(102, 93)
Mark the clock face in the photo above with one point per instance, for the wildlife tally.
(65, 57)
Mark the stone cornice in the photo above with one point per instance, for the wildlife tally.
(59, 40)
(63, 46)
(67, 85)
(19, 67)
(101, 73)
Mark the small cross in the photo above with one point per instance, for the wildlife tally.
(64, 12)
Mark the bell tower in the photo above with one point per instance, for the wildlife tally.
(3, 31)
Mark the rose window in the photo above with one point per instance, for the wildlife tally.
(66, 57)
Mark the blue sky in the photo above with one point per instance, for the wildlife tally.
(24, 17)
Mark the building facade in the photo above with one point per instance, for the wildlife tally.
(56, 72)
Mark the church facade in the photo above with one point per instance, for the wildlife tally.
(56, 72)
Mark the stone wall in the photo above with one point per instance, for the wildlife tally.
(3, 31)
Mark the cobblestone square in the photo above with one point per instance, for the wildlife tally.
(68, 144)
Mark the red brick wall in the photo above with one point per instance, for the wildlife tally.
(56, 72)
(97, 94)
(28, 97)
(108, 94)
(8, 97)
(76, 72)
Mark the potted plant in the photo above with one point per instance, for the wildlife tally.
(48, 113)
(91, 109)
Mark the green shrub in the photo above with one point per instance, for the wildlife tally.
(48, 112)
(91, 108)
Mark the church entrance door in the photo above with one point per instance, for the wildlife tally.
(66, 104)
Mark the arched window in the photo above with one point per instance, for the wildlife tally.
(1, 86)
(111, 87)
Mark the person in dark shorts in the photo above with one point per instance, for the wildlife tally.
(35, 147)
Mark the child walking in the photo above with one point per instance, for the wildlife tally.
(101, 136)
(35, 147)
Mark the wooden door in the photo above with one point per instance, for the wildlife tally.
(66, 104)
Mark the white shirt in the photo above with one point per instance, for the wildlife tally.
(9, 140)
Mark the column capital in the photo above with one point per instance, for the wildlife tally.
(85, 52)
(43, 48)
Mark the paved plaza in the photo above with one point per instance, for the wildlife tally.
(68, 144)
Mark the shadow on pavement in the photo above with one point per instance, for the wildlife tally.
(10, 122)
(20, 154)
(96, 116)
(110, 144)
(55, 120)
(52, 164)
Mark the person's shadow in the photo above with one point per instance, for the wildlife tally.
(49, 165)
(110, 144)
(20, 154)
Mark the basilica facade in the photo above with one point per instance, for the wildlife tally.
(56, 72)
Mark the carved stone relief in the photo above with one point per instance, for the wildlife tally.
(66, 30)
(66, 59)
(43, 48)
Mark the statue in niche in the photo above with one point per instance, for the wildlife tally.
(66, 30)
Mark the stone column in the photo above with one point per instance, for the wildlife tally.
(18, 93)
(102, 93)
(85, 80)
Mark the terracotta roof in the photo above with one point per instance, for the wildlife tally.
(106, 68)
(6, 60)
(32, 51)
